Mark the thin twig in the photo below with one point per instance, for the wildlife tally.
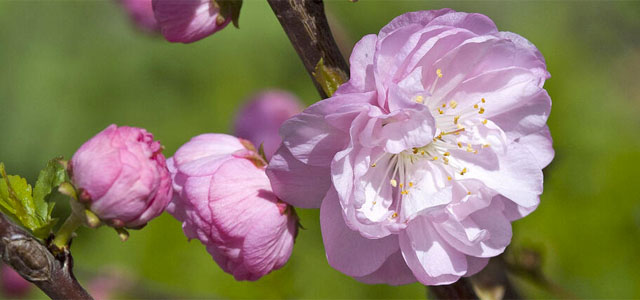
(34, 262)
(305, 23)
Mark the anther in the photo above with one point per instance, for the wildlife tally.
(439, 73)
(447, 153)
(448, 177)
(484, 121)
(475, 106)
(483, 101)
(455, 119)
(463, 171)
(481, 110)
(419, 99)
(393, 182)
(453, 104)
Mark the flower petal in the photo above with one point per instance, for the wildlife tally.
(347, 250)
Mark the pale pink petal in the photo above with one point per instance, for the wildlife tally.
(394, 271)
(347, 250)
(296, 183)
(429, 257)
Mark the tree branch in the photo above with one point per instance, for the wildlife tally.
(34, 262)
(306, 25)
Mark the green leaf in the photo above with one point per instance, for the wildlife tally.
(29, 207)
(229, 9)
(329, 78)
(50, 178)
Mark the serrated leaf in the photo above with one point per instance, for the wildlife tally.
(230, 9)
(28, 206)
(50, 178)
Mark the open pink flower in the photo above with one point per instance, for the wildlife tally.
(122, 176)
(187, 21)
(420, 162)
(261, 118)
(222, 196)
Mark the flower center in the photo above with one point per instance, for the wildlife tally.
(452, 137)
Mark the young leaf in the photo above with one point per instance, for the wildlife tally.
(28, 206)
(50, 178)
(329, 78)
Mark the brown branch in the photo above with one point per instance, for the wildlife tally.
(305, 23)
(34, 262)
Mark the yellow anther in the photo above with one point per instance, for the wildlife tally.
(446, 160)
(475, 151)
(459, 145)
(373, 165)
(374, 202)
(419, 99)
(468, 193)
(401, 185)
(435, 158)
(453, 104)
(394, 215)
(447, 153)
(393, 182)
(415, 150)
(405, 192)
(485, 146)
(422, 152)
(475, 106)
(455, 119)
(440, 111)
(410, 184)
(448, 177)
(483, 101)
(484, 121)
(481, 110)
(463, 171)
(439, 73)
(444, 105)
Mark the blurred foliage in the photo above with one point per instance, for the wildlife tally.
(70, 68)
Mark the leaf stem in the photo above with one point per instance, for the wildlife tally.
(66, 231)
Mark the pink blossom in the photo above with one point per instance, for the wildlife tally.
(260, 119)
(187, 21)
(13, 286)
(141, 13)
(222, 196)
(122, 176)
(420, 162)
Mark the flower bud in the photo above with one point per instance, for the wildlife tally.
(187, 21)
(260, 119)
(223, 198)
(121, 175)
(12, 284)
(141, 14)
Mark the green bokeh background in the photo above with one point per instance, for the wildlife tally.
(70, 68)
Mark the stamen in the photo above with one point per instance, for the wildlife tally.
(483, 101)
(453, 104)
(439, 73)
(419, 99)
(455, 119)
(463, 171)
(393, 182)
(484, 121)
(481, 110)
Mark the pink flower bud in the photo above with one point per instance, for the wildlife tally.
(260, 119)
(13, 285)
(223, 198)
(122, 176)
(187, 21)
(141, 13)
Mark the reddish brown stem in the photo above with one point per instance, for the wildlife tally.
(33, 261)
